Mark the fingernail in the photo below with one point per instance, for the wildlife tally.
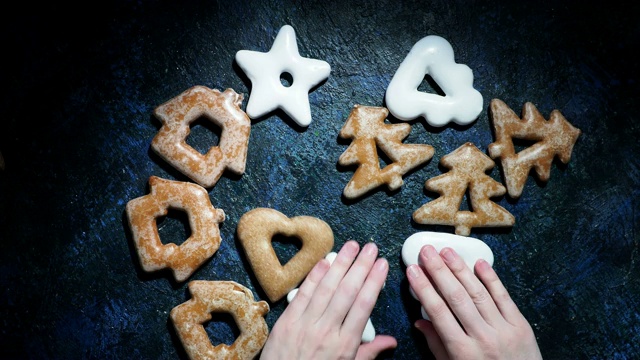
(381, 264)
(352, 247)
(413, 271)
(483, 264)
(448, 254)
(370, 248)
(428, 251)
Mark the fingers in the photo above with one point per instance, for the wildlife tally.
(361, 308)
(328, 285)
(452, 291)
(476, 290)
(433, 339)
(351, 284)
(305, 292)
(443, 320)
(501, 297)
(372, 349)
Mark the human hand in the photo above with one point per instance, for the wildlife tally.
(326, 318)
(471, 317)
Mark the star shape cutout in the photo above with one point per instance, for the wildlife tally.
(266, 69)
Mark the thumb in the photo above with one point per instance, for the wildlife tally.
(370, 350)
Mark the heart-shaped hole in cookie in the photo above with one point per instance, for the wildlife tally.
(286, 247)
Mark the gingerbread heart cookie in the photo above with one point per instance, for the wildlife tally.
(256, 230)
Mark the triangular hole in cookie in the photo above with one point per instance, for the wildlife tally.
(383, 159)
(522, 144)
(465, 204)
(428, 85)
(173, 227)
(204, 135)
(285, 247)
(222, 329)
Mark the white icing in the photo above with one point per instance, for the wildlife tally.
(470, 250)
(291, 295)
(264, 70)
(369, 332)
(433, 56)
(331, 257)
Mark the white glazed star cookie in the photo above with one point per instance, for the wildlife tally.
(265, 70)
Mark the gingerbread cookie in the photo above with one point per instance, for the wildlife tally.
(221, 108)
(216, 297)
(205, 238)
(256, 230)
(468, 167)
(368, 131)
(554, 137)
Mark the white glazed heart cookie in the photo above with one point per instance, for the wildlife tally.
(369, 332)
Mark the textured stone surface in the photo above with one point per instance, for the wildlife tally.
(77, 122)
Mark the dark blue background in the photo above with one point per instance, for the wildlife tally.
(80, 85)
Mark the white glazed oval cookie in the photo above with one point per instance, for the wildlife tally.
(470, 250)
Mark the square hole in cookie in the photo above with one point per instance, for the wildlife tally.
(222, 328)
(203, 135)
(173, 227)
(285, 247)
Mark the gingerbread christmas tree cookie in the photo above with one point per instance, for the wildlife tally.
(554, 137)
(468, 167)
(368, 131)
